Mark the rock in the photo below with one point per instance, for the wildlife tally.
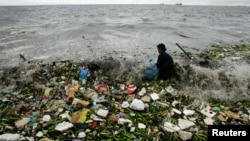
(10, 137)
(184, 124)
(184, 135)
(21, 123)
(137, 105)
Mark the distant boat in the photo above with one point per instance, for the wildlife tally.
(178, 3)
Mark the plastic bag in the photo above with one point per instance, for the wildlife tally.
(150, 72)
(83, 74)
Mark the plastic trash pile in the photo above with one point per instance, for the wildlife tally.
(67, 101)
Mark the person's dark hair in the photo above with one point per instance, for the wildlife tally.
(162, 47)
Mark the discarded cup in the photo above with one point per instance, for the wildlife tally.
(130, 89)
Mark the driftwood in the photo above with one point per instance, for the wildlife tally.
(204, 62)
(184, 51)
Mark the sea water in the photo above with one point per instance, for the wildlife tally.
(89, 31)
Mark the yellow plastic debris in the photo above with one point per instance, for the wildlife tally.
(221, 118)
(46, 139)
(232, 114)
(79, 116)
(71, 92)
(83, 102)
(47, 92)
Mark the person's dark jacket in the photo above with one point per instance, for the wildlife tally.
(165, 65)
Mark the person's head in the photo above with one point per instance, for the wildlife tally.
(161, 48)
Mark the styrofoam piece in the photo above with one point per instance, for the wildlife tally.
(75, 101)
(132, 129)
(10, 137)
(63, 126)
(175, 102)
(81, 135)
(123, 121)
(141, 126)
(142, 92)
(207, 112)
(169, 89)
(39, 134)
(177, 111)
(188, 112)
(102, 112)
(21, 123)
(209, 121)
(137, 105)
(184, 135)
(125, 104)
(46, 118)
(154, 96)
(96, 118)
(170, 127)
(184, 124)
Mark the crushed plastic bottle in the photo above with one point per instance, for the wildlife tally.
(83, 75)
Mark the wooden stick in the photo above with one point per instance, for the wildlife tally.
(184, 51)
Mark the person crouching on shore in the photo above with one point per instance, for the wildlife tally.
(164, 63)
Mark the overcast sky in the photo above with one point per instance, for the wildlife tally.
(185, 2)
